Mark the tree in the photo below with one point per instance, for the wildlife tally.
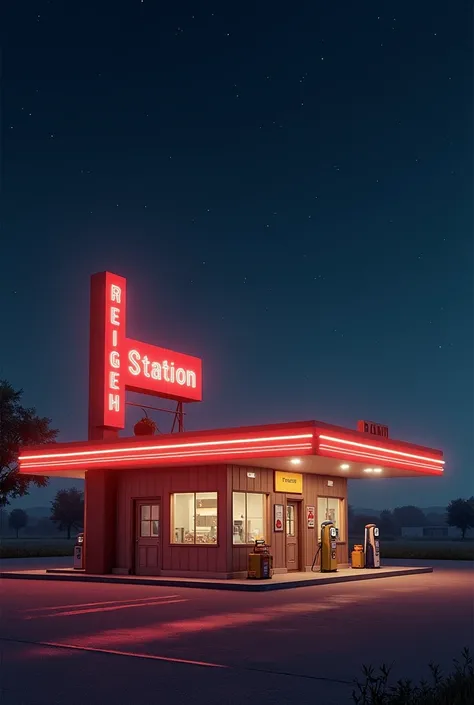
(17, 520)
(67, 510)
(19, 427)
(461, 514)
(387, 524)
(408, 516)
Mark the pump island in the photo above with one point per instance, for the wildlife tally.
(197, 503)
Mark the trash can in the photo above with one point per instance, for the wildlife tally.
(260, 566)
(79, 552)
(357, 556)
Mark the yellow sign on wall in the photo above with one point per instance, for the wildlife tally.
(291, 482)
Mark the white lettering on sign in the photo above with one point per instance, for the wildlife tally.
(164, 370)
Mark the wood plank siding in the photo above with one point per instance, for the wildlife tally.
(223, 559)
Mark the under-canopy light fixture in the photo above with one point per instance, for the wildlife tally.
(377, 469)
(295, 461)
(345, 466)
(368, 469)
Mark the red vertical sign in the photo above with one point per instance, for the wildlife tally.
(107, 354)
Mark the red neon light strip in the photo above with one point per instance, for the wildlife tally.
(381, 449)
(362, 455)
(155, 456)
(111, 451)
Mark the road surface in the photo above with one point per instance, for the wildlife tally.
(76, 643)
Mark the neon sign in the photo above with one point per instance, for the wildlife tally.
(118, 363)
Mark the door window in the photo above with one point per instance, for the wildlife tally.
(149, 521)
(290, 520)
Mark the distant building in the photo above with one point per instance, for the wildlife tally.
(434, 532)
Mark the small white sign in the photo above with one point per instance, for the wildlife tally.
(251, 475)
(330, 483)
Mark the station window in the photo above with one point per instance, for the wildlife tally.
(248, 517)
(194, 518)
(331, 509)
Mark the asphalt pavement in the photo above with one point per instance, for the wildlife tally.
(76, 643)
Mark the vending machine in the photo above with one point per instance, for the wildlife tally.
(372, 546)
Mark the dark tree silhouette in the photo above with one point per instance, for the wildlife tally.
(67, 510)
(387, 523)
(408, 516)
(17, 520)
(19, 427)
(461, 514)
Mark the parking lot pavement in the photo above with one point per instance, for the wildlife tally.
(97, 642)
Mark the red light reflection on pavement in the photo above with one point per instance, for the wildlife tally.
(94, 604)
(176, 629)
(150, 603)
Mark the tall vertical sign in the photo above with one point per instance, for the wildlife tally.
(107, 340)
(118, 363)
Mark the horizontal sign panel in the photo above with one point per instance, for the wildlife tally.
(149, 369)
(291, 482)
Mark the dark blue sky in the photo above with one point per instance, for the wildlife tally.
(287, 188)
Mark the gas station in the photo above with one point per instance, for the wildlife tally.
(250, 502)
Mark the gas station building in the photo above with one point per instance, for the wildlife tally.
(193, 503)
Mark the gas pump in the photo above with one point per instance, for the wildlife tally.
(79, 552)
(328, 547)
(372, 546)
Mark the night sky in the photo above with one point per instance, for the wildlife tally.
(287, 188)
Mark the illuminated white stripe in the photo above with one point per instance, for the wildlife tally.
(156, 456)
(111, 451)
(381, 449)
(363, 454)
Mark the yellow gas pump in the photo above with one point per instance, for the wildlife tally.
(372, 546)
(328, 547)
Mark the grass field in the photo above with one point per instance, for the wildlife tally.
(454, 550)
(35, 547)
(430, 550)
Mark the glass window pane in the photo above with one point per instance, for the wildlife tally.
(155, 511)
(145, 511)
(329, 509)
(238, 517)
(290, 520)
(145, 529)
(155, 528)
(182, 511)
(255, 517)
(206, 517)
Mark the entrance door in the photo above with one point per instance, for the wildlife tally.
(292, 531)
(147, 537)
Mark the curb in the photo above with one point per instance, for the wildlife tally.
(58, 575)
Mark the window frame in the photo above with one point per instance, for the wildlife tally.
(195, 543)
(342, 524)
(150, 521)
(265, 496)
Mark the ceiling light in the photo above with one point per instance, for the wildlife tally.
(368, 469)
(345, 466)
(377, 469)
(295, 461)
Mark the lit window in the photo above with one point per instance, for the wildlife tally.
(330, 509)
(194, 518)
(248, 517)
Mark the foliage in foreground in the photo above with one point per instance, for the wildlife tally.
(457, 688)
(19, 427)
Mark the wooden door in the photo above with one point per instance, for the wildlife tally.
(147, 537)
(292, 535)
